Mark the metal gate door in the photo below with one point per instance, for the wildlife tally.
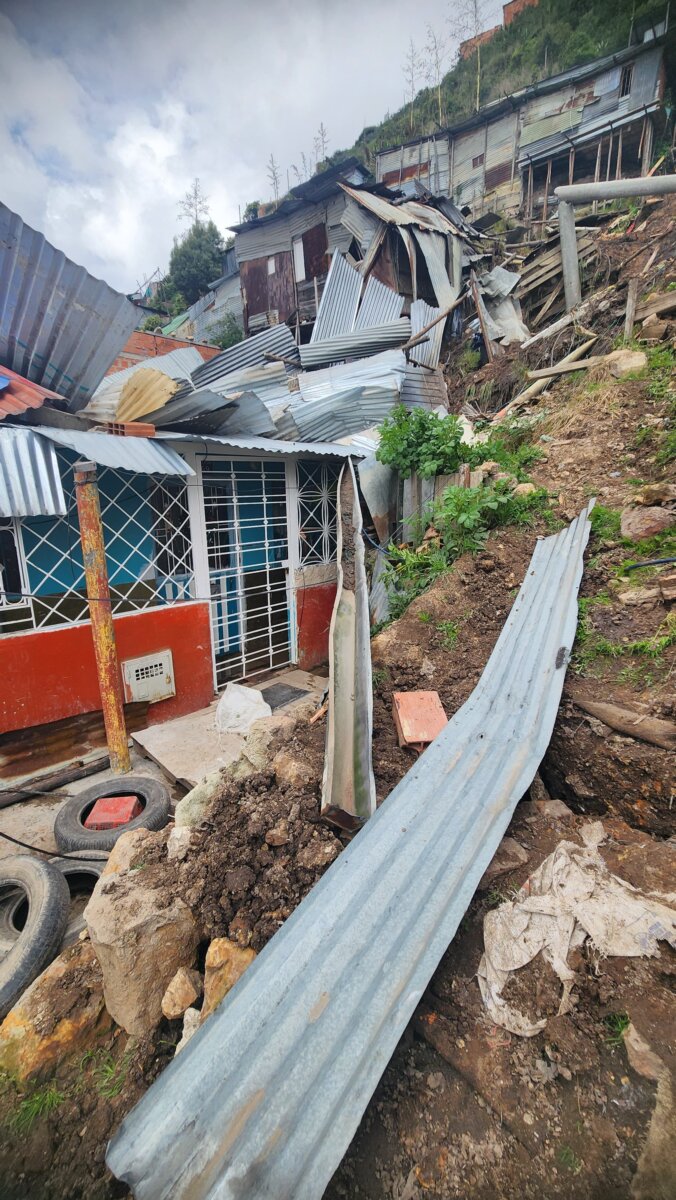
(248, 556)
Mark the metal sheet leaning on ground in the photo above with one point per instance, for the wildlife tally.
(264, 1100)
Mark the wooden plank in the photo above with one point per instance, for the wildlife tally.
(658, 304)
(629, 722)
(562, 368)
(630, 315)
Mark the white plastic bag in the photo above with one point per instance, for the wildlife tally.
(239, 707)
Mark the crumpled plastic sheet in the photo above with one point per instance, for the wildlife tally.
(571, 897)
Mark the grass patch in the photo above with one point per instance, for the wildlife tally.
(380, 676)
(425, 617)
(615, 1024)
(605, 522)
(591, 645)
(40, 1102)
(449, 631)
(109, 1074)
(569, 1159)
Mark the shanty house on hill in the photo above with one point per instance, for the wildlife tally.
(597, 121)
(284, 257)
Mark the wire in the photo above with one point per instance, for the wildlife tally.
(40, 849)
(651, 562)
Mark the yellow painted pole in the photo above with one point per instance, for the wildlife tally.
(100, 612)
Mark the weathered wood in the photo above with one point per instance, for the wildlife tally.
(630, 315)
(490, 350)
(563, 368)
(658, 304)
(536, 388)
(48, 781)
(629, 722)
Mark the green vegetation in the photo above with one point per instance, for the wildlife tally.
(109, 1074)
(425, 617)
(605, 522)
(196, 259)
(380, 676)
(463, 518)
(569, 1159)
(469, 360)
(226, 332)
(45, 1100)
(615, 1023)
(421, 442)
(449, 631)
(153, 322)
(591, 645)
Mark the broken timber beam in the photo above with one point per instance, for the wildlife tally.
(563, 368)
(630, 723)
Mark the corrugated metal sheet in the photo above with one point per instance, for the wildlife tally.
(59, 326)
(379, 306)
(356, 345)
(18, 395)
(177, 364)
(423, 388)
(30, 482)
(359, 223)
(267, 1095)
(433, 246)
(338, 306)
(278, 339)
(348, 398)
(421, 315)
(144, 456)
(262, 447)
(410, 213)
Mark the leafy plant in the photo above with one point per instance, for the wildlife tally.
(425, 617)
(469, 360)
(568, 1158)
(226, 332)
(420, 441)
(43, 1101)
(449, 631)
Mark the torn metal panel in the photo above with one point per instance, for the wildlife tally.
(348, 786)
(428, 352)
(278, 339)
(348, 398)
(311, 1025)
(379, 597)
(59, 326)
(145, 456)
(269, 382)
(360, 224)
(30, 481)
(433, 246)
(379, 306)
(360, 344)
(409, 243)
(339, 302)
(424, 388)
(498, 283)
(380, 488)
(105, 403)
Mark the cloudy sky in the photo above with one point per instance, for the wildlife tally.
(110, 108)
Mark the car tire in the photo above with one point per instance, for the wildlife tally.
(48, 897)
(82, 872)
(69, 830)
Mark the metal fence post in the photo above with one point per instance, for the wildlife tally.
(100, 612)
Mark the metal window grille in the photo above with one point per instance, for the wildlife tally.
(248, 558)
(146, 531)
(317, 492)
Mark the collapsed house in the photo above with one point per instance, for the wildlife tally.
(595, 122)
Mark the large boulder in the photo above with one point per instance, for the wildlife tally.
(639, 523)
(142, 933)
(61, 1014)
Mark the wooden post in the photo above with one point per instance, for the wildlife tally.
(632, 297)
(610, 155)
(544, 206)
(618, 168)
(571, 164)
(597, 172)
(101, 615)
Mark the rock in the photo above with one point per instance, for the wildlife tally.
(279, 727)
(626, 362)
(194, 808)
(554, 810)
(279, 835)
(224, 964)
(427, 668)
(125, 850)
(191, 1023)
(178, 842)
(142, 933)
(62, 1013)
(639, 595)
(318, 853)
(508, 857)
(639, 523)
(655, 493)
(537, 788)
(184, 989)
(525, 489)
(653, 329)
(667, 586)
(293, 770)
(644, 1060)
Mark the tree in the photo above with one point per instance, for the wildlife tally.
(435, 50)
(196, 260)
(468, 19)
(194, 204)
(225, 333)
(251, 211)
(273, 176)
(154, 321)
(411, 69)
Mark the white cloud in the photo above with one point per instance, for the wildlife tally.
(110, 111)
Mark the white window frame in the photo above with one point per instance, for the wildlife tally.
(298, 260)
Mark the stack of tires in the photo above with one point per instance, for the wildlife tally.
(42, 903)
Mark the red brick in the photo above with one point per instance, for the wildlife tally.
(112, 811)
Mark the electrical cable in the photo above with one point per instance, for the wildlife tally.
(41, 849)
(651, 562)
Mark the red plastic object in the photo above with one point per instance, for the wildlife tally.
(112, 811)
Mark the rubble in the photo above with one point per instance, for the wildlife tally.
(182, 992)
(225, 963)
